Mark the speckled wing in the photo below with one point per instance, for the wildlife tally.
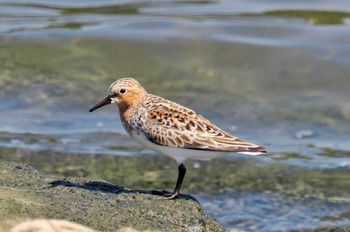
(170, 124)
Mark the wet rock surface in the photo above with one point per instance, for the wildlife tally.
(25, 193)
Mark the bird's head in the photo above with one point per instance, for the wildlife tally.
(125, 92)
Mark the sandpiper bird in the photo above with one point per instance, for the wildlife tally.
(171, 129)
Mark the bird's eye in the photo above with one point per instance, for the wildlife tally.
(121, 91)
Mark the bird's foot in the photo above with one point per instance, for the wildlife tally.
(169, 196)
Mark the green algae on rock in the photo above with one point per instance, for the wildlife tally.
(313, 16)
(225, 175)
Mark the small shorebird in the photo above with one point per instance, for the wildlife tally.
(171, 129)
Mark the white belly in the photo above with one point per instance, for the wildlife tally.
(179, 154)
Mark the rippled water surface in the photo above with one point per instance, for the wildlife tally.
(273, 72)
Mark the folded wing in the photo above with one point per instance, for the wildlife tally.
(170, 124)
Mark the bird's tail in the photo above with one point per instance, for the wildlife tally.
(253, 150)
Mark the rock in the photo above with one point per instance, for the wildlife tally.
(97, 204)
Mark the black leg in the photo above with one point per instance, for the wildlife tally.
(180, 178)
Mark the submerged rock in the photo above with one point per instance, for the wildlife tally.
(25, 193)
(302, 134)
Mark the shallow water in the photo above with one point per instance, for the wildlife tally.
(257, 212)
(275, 73)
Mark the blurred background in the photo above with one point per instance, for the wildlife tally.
(272, 72)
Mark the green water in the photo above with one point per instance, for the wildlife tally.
(270, 73)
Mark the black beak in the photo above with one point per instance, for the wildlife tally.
(104, 102)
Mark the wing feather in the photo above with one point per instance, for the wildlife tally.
(170, 124)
